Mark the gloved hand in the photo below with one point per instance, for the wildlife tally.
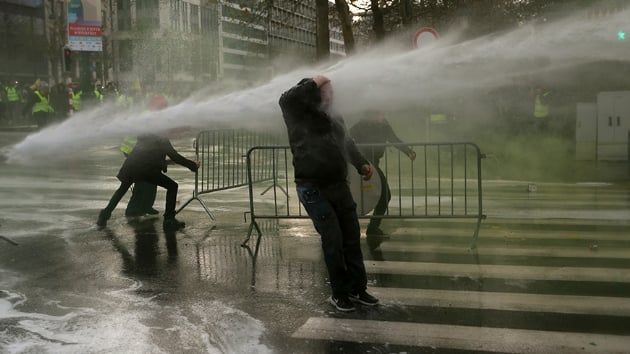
(412, 155)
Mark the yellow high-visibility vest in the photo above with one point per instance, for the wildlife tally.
(124, 101)
(12, 94)
(76, 100)
(541, 110)
(42, 105)
(438, 118)
(127, 145)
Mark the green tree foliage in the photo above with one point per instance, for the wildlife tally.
(379, 18)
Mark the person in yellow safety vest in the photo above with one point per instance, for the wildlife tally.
(438, 118)
(2, 94)
(76, 100)
(124, 101)
(146, 164)
(13, 101)
(127, 145)
(541, 109)
(438, 126)
(98, 94)
(41, 110)
(143, 193)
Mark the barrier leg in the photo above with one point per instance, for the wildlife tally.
(9, 240)
(476, 234)
(252, 225)
(277, 186)
(200, 202)
(249, 234)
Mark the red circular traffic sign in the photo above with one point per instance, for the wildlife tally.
(425, 35)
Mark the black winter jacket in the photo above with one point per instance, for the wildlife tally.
(375, 131)
(149, 157)
(319, 142)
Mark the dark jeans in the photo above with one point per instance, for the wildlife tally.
(42, 119)
(334, 215)
(12, 111)
(159, 179)
(142, 198)
(383, 202)
(541, 126)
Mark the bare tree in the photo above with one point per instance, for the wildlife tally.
(378, 22)
(346, 25)
(323, 31)
(406, 12)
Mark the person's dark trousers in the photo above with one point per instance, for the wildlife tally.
(334, 215)
(171, 187)
(116, 197)
(541, 126)
(159, 179)
(41, 118)
(383, 201)
(12, 110)
(142, 198)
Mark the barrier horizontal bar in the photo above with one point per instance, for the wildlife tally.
(443, 182)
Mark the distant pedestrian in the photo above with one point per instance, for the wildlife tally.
(13, 99)
(39, 104)
(77, 103)
(375, 129)
(321, 153)
(3, 100)
(541, 115)
(60, 101)
(99, 97)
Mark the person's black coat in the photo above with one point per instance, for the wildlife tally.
(31, 99)
(148, 157)
(375, 131)
(320, 146)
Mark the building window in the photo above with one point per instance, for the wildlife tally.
(194, 18)
(174, 14)
(124, 15)
(148, 14)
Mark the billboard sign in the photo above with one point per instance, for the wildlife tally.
(84, 25)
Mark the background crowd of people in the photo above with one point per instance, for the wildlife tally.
(39, 103)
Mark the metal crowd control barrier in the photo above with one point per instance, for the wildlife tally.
(223, 166)
(444, 181)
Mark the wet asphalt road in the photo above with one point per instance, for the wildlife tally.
(551, 273)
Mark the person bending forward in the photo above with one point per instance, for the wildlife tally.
(145, 163)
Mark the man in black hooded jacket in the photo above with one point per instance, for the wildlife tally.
(145, 163)
(321, 151)
(375, 129)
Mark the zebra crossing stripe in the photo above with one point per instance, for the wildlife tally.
(527, 251)
(503, 234)
(503, 340)
(500, 271)
(566, 304)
